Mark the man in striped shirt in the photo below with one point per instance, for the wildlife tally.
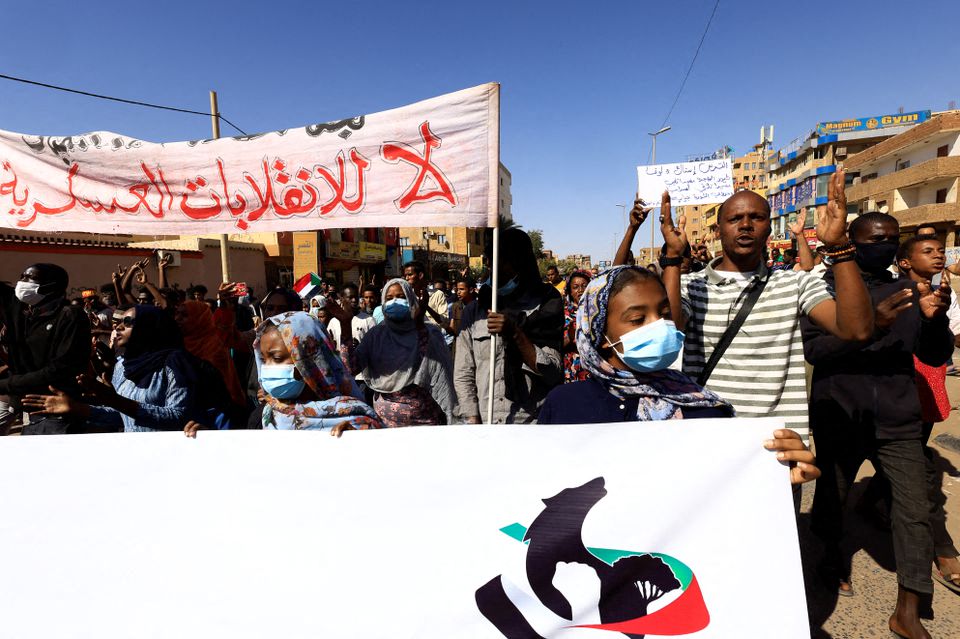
(762, 371)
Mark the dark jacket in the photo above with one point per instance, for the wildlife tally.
(871, 384)
(46, 349)
(588, 402)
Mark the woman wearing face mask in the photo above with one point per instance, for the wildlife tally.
(573, 292)
(406, 363)
(529, 330)
(626, 341)
(304, 384)
(152, 381)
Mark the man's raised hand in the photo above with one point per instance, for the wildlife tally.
(797, 227)
(675, 237)
(832, 216)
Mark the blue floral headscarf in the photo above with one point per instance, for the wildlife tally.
(320, 367)
(663, 394)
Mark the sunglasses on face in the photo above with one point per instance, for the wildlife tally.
(126, 321)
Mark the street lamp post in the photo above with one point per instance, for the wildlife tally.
(652, 226)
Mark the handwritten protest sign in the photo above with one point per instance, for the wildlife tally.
(687, 182)
(584, 531)
(431, 163)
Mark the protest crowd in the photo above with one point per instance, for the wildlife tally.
(694, 336)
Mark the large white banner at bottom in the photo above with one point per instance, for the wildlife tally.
(574, 532)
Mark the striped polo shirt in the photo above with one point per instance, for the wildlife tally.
(762, 371)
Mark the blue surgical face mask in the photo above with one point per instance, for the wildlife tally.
(507, 288)
(278, 380)
(397, 309)
(652, 347)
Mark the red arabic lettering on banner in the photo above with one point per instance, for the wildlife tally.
(303, 178)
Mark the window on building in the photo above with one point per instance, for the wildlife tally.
(941, 196)
(902, 164)
(943, 151)
(404, 241)
(442, 239)
(819, 153)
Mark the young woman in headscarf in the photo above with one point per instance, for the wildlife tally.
(406, 363)
(627, 340)
(573, 291)
(153, 380)
(304, 384)
(201, 338)
(529, 330)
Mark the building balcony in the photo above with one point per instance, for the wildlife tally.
(937, 168)
(928, 214)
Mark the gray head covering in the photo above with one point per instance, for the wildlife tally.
(391, 350)
(407, 291)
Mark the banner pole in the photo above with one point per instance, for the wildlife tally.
(494, 270)
(224, 238)
(494, 282)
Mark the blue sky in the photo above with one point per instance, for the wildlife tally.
(582, 83)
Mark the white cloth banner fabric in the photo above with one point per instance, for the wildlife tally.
(665, 528)
(703, 182)
(433, 163)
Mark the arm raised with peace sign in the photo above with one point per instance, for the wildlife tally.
(675, 239)
(832, 216)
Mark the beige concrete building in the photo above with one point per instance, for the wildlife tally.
(914, 176)
(750, 172)
(798, 174)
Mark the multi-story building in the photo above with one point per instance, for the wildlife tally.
(914, 176)
(799, 173)
(580, 261)
(750, 172)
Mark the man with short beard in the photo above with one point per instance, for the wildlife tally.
(762, 371)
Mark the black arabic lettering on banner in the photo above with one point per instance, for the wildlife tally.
(63, 146)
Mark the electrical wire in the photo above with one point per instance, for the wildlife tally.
(689, 69)
(123, 100)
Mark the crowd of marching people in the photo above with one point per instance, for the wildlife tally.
(693, 336)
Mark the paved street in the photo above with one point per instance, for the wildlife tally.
(874, 581)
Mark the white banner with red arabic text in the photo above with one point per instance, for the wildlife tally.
(433, 163)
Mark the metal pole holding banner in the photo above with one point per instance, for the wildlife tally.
(494, 283)
(494, 274)
(224, 238)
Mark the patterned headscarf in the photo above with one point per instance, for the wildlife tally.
(662, 393)
(320, 367)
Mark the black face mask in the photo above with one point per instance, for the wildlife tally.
(876, 257)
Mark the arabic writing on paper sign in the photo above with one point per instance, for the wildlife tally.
(704, 182)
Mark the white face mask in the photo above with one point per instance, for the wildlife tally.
(28, 293)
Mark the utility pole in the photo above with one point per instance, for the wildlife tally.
(653, 226)
(224, 238)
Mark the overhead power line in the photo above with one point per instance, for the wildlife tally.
(125, 101)
(692, 62)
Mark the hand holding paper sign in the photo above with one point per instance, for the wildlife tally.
(639, 213)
